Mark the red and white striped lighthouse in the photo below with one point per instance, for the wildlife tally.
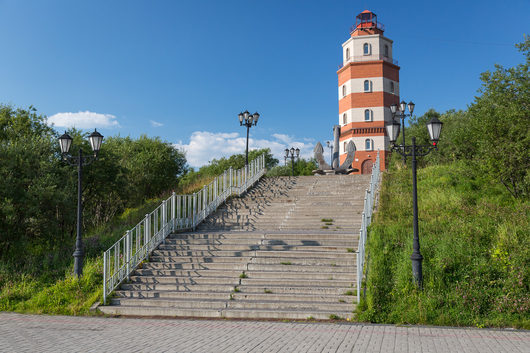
(368, 85)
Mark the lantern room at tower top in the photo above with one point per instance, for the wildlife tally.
(366, 23)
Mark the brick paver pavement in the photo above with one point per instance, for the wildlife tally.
(34, 333)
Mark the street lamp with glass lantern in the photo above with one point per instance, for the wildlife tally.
(248, 120)
(292, 154)
(65, 142)
(434, 127)
(399, 111)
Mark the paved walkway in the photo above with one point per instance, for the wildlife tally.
(31, 333)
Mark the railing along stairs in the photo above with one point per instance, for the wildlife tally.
(177, 213)
(366, 220)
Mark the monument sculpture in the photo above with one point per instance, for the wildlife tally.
(344, 168)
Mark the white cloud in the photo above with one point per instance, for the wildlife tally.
(205, 146)
(83, 120)
(155, 123)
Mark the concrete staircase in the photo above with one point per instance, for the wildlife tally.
(284, 250)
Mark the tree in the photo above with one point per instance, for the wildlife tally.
(500, 124)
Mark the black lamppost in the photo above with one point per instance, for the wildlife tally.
(292, 153)
(434, 127)
(399, 112)
(65, 141)
(330, 146)
(248, 120)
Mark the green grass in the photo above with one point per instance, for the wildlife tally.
(326, 220)
(286, 263)
(350, 250)
(236, 289)
(243, 275)
(475, 241)
(335, 317)
(348, 292)
(46, 284)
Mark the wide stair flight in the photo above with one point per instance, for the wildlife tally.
(284, 250)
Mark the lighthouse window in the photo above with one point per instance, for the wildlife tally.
(366, 49)
(386, 50)
(391, 86)
(344, 91)
(347, 53)
(344, 118)
(368, 114)
(344, 146)
(367, 86)
(369, 144)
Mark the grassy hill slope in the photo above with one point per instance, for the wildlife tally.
(475, 240)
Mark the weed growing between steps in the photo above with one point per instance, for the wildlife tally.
(475, 241)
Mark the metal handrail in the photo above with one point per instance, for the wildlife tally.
(366, 220)
(371, 57)
(178, 212)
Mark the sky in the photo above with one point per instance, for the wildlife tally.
(183, 70)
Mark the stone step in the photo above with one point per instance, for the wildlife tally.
(236, 281)
(218, 304)
(301, 268)
(177, 287)
(295, 282)
(242, 243)
(343, 276)
(308, 290)
(195, 295)
(226, 281)
(268, 251)
(266, 234)
(195, 266)
(155, 311)
(225, 295)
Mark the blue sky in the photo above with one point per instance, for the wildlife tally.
(183, 70)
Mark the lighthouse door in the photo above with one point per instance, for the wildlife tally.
(366, 167)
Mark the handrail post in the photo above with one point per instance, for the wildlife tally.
(128, 253)
(164, 220)
(173, 210)
(230, 180)
(105, 264)
(146, 236)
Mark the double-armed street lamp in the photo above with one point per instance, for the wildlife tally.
(65, 142)
(399, 111)
(434, 127)
(248, 120)
(292, 154)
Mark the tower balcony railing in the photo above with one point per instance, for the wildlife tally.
(373, 57)
(367, 25)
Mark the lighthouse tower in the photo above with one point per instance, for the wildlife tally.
(368, 85)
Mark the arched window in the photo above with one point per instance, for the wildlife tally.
(367, 85)
(368, 115)
(386, 50)
(344, 147)
(366, 49)
(344, 118)
(344, 90)
(368, 144)
(347, 53)
(392, 86)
